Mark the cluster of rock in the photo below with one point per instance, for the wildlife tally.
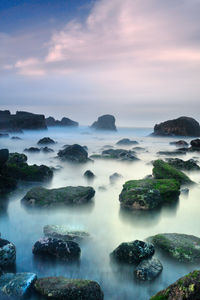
(50, 121)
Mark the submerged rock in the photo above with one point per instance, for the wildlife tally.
(63, 232)
(46, 141)
(185, 288)
(183, 247)
(180, 143)
(163, 170)
(64, 250)
(148, 269)
(181, 151)
(118, 154)
(105, 122)
(16, 285)
(74, 153)
(68, 289)
(188, 165)
(41, 197)
(114, 177)
(32, 150)
(132, 252)
(15, 138)
(126, 142)
(89, 174)
(7, 253)
(46, 150)
(148, 194)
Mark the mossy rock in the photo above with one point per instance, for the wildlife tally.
(188, 165)
(185, 288)
(163, 170)
(147, 194)
(182, 247)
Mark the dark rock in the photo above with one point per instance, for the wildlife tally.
(89, 174)
(68, 289)
(4, 154)
(127, 142)
(32, 150)
(183, 247)
(105, 122)
(132, 252)
(118, 154)
(114, 177)
(16, 285)
(50, 121)
(46, 141)
(4, 135)
(185, 191)
(15, 138)
(180, 143)
(7, 253)
(66, 251)
(62, 232)
(181, 151)
(17, 158)
(74, 153)
(185, 288)
(41, 197)
(148, 269)
(188, 165)
(183, 126)
(139, 149)
(195, 143)
(46, 150)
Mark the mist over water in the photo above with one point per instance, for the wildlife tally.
(107, 224)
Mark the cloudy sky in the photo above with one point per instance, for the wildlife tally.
(136, 59)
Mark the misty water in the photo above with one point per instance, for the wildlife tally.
(107, 224)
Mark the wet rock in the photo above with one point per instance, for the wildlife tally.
(118, 154)
(148, 269)
(7, 253)
(16, 285)
(46, 141)
(163, 170)
(74, 153)
(89, 174)
(114, 177)
(64, 250)
(46, 150)
(32, 150)
(188, 165)
(17, 158)
(185, 288)
(183, 126)
(195, 145)
(180, 143)
(63, 233)
(4, 154)
(146, 194)
(105, 122)
(132, 252)
(41, 197)
(68, 289)
(127, 142)
(183, 247)
(50, 121)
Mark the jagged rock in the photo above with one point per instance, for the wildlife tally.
(50, 121)
(74, 153)
(188, 165)
(89, 174)
(114, 177)
(127, 142)
(46, 141)
(7, 253)
(105, 122)
(63, 232)
(148, 269)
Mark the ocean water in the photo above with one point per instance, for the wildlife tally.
(107, 224)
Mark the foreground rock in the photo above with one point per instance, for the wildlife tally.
(60, 249)
(16, 285)
(68, 289)
(50, 121)
(185, 288)
(188, 165)
(105, 122)
(41, 197)
(7, 253)
(46, 141)
(63, 233)
(146, 194)
(183, 247)
(74, 153)
(132, 252)
(127, 142)
(118, 154)
(183, 126)
(163, 170)
(148, 269)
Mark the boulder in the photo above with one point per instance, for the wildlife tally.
(7, 253)
(163, 170)
(183, 126)
(68, 289)
(148, 269)
(185, 288)
(41, 197)
(89, 174)
(180, 143)
(16, 285)
(182, 247)
(62, 232)
(105, 122)
(4, 154)
(132, 252)
(188, 165)
(46, 141)
(50, 121)
(126, 142)
(74, 153)
(146, 194)
(195, 145)
(118, 154)
(63, 250)
(114, 177)
(17, 158)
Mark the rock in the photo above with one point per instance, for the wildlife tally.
(16, 285)
(118, 154)
(4, 154)
(148, 269)
(183, 126)
(46, 150)
(188, 165)
(146, 194)
(139, 149)
(105, 122)
(63, 233)
(68, 289)
(15, 138)
(114, 177)
(17, 158)
(32, 150)
(50, 121)
(195, 145)
(7, 253)
(46, 141)
(163, 170)
(7, 184)
(89, 174)
(74, 153)
(180, 143)
(4, 135)
(132, 252)
(185, 191)
(126, 142)
(41, 197)
(185, 288)
(64, 250)
(181, 151)
(183, 247)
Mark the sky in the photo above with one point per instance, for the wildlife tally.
(136, 59)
